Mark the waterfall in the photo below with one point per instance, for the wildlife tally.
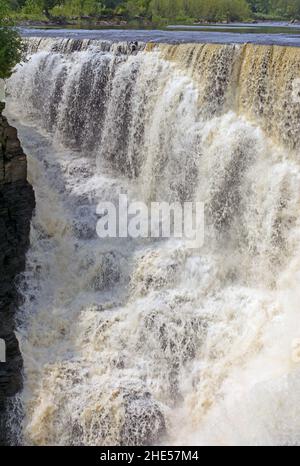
(131, 342)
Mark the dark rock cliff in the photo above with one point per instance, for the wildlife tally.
(16, 207)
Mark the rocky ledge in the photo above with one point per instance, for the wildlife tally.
(16, 206)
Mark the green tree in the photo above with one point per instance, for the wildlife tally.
(136, 8)
(11, 47)
(261, 6)
(210, 10)
(293, 8)
(77, 8)
(39, 7)
(33, 7)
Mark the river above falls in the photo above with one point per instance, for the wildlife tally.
(261, 33)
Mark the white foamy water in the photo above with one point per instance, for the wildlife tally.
(145, 342)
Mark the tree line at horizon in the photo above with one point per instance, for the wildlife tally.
(155, 10)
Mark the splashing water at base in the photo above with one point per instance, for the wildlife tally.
(139, 342)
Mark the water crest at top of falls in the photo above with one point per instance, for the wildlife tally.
(136, 342)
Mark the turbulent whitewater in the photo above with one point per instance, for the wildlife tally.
(130, 342)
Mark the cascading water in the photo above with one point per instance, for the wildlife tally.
(131, 342)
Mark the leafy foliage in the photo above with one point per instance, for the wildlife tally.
(78, 8)
(11, 47)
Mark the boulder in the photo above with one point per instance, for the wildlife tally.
(144, 422)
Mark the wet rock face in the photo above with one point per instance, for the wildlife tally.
(16, 207)
(144, 422)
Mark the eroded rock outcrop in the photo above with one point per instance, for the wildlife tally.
(16, 207)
